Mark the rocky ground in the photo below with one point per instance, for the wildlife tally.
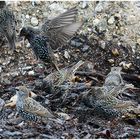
(109, 37)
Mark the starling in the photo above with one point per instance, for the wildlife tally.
(68, 74)
(114, 78)
(28, 108)
(106, 104)
(52, 34)
(40, 47)
(7, 24)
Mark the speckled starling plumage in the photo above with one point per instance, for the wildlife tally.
(106, 104)
(57, 78)
(40, 47)
(7, 24)
(52, 34)
(28, 108)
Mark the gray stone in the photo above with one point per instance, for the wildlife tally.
(34, 21)
(85, 48)
(8, 133)
(111, 20)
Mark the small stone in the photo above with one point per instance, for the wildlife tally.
(28, 45)
(85, 48)
(56, 7)
(46, 101)
(34, 21)
(84, 4)
(31, 73)
(64, 116)
(56, 55)
(8, 133)
(115, 52)
(14, 74)
(99, 8)
(102, 26)
(27, 68)
(102, 44)
(6, 81)
(96, 21)
(27, 16)
(66, 55)
(45, 14)
(111, 20)
(111, 61)
(117, 15)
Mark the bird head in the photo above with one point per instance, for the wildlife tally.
(28, 31)
(22, 92)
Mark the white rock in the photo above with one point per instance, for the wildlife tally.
(27, 16)
(28, 45)
(84, 4)
(13, 74)
(45, 14)
(85, 48)
(96, 21)
(31, 73)
(27, 68)
(57, 7)
(34, 21)
(111, 20)
(66, 55)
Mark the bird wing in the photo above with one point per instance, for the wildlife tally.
(60, 29)
(34, 107)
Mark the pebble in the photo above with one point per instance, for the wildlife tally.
(102, 26)
(27, 16)
(75, 43)
(47, 101)
(34, 21)
(8, 133)
(84, 4)
(6, 81)
(96, 21)
(56, 7)
(45, 14)
(31, 73)
(111, 20)
(28, 45)
(66, 55)
(102, 44)
(13, 74)
(27, 68)
(85, 48)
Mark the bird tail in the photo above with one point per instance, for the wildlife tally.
(11, 41)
